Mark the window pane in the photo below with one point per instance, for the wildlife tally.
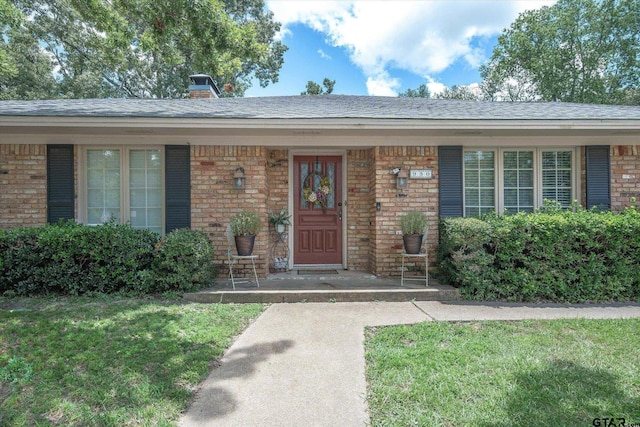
(510, 178)
(510, 198)
(518, 180)
(472, 179)
(103, 185)
(487, 178)
(525, 178)
(472, 197)
(145, 188)
(525, 159)
(526, 198)
(487, 198)
(556, 177)
(479, 182)
(486, 160)
(511, 160)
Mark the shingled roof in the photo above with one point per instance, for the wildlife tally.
(317, 107)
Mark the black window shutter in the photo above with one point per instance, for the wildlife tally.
(450, 176)
(177, 187)
(598, 178)
(60, 191)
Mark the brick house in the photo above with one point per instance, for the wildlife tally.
(166, 164)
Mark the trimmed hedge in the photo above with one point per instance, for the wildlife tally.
(560, 256)
(183, 261)
(73, 259)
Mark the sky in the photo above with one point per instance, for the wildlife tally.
(384, 47)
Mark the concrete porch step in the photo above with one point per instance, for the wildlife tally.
(342, 287)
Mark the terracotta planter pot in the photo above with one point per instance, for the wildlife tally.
(244, 244)
(412, 243)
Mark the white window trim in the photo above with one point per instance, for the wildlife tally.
(124, 179)
(537, 173)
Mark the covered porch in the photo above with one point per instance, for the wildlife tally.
(328, 285)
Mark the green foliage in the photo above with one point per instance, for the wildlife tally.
(459, 92)
(280, 218)
(72, 259)
(574, 51)
(413, 223)
(183, 262)
(526, 373)
(421, 91)
(69, 258)
(134, 48)
(314, 88)
(558, 256)
(245, 223)
(108, 361)
(16, 371)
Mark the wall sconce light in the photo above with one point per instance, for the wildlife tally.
(402, 179)
(238, 179)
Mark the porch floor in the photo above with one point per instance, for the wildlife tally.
(343, 286)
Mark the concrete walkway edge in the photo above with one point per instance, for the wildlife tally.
(304, 365)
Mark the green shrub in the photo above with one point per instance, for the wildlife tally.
(183, 261)
(554, 255)
(245, 223)
(413, 223)
(69, 258)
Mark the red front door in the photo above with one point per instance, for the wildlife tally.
(317, 210)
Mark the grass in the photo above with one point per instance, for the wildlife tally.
(107, 361)
(526, 373)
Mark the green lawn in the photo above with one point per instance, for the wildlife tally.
(527, 373)
(108, 361)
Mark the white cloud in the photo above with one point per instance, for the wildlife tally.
(382, 85)
(324, 55)
(435, 88)
(424, 37)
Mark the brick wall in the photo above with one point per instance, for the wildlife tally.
(23, 190)
(360, 209)
(625, 175)
(277, 164)
(214, 201)
(421, 194)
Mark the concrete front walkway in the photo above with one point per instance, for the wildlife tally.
(303, 364)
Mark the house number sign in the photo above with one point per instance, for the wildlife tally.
(421, 174)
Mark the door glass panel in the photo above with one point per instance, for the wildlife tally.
(304, 172)
(331, 174)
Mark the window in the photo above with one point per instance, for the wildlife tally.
(479, 183)
(517, 180)
(125, 184)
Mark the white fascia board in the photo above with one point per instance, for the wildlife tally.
(292, 124)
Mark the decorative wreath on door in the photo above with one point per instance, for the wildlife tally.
(320, 195)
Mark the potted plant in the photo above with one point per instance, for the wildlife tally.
(413, 226)
(280, 220)
(244, 227)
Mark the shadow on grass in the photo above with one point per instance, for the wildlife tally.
(123, 362)
(566, 394)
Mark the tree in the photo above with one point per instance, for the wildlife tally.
(574, 51)
(422, 91)
(148, 48)
(314, 88)
(461, 92)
